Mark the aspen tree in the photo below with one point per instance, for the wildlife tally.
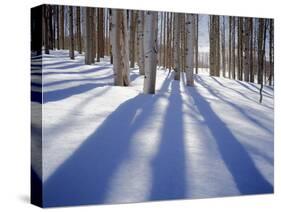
(177, 46)
(71, 36)
(223, 47)
(78, 30)
(110, 36)
(240, 35)
(271, 51)
(62, 26)
(212, 45)
(46, 29)
(168, 42)
(99, 39)
(58, 29)
(50, 27)
(251, 65)
(196, 43)
(125, 48)
(217, 45)
(246, 60)
(161, 40)
(88, 36)
(233, 48)
(172, 42)
(101, 17)
(183, 41)
(164, 41)
(94, 36)
(140, 34)
(189, 50)
(150, 51)
(132, 38)
(229, 46)
(261, 53)
(120, 47)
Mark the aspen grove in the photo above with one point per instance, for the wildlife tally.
(153, 40)
(148, 105)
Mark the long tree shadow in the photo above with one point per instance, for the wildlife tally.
(84, 178)
(87, 71)
(50, 64)
(60, 94)
(168, 166)
(240, 93)
(254, 88)
(200, 81)
(92, 79)
(246, 175)
(67, 66)
(235, 90)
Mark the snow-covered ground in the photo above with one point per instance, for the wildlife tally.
(109, 144)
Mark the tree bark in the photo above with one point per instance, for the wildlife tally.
(240, 47)
(110, 36)
(46, 29)
(50, 23)
(183, 42)
(62, 26)
(94, 33)
(211, 45)
(214, 45)
(58, 29)
(161, 40)
(251, 65)
(233, 48)
(100, 33)
(229, 46)
(150, 50)
(88, 37)
(271, 51)
(120, 47)
(164, 41)
(78, 28)
(196, 43)
(189, 50)
(217, 47)
(71, 37)
(246, 59)
(177, 46)
(140, 32)
(223, 47)
(132, 38)
(261, 53)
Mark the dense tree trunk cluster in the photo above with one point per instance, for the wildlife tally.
(240, 55)
(239, 48)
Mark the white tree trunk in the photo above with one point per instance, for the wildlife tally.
(116, 47)
(233, 69)
(189, 50)
(177, 46)
(140, 28)
(150, 51)
(246, 60)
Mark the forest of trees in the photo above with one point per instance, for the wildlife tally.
(240, 48)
